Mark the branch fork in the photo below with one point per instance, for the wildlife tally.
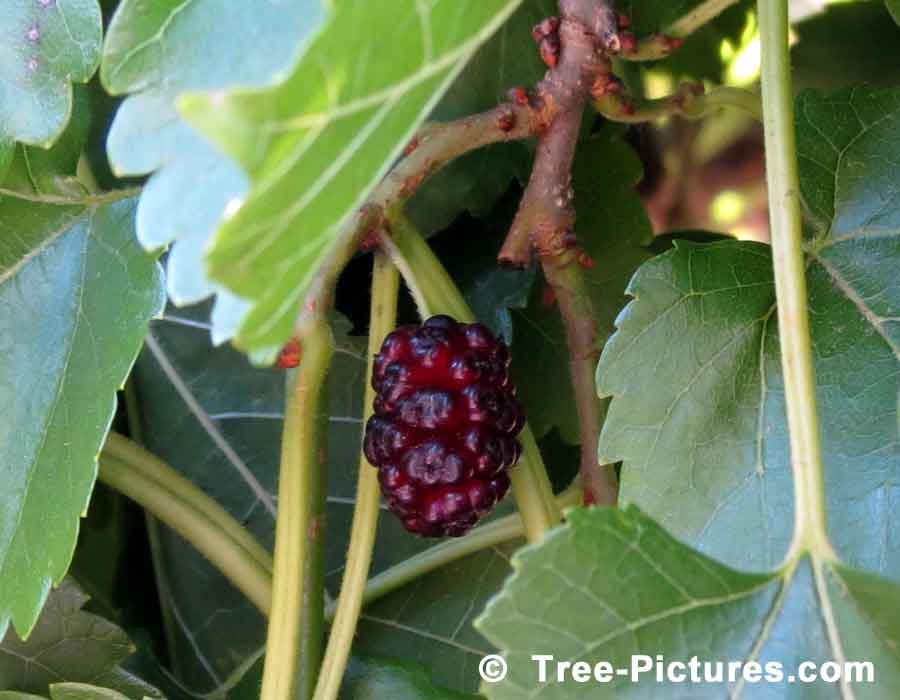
(580, 67)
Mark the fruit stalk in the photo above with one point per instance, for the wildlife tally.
(166, 495)
(496, 532)
(296, 624)
(382, 319)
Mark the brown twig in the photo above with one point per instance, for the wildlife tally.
(546, 218)
(432, 148)
(568, 283)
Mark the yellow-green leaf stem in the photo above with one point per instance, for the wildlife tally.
(790, 279)
(509, 527)
(176, 501)
(689, 101)
(435, 292)
(294, 640)
(383, 318)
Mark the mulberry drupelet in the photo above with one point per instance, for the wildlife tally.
(443, 434)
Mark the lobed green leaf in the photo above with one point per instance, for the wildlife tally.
(156, 51)
(45, 46)
(315, 145)
(476, 181)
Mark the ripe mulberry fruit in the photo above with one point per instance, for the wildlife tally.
(443, 432)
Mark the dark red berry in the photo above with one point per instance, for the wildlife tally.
(443, 434)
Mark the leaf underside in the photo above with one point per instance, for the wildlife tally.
(611, 584)
(46, 47)
(154, 53)
(315, 145)
(701, 426)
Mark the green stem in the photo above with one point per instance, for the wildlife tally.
(689, 101)
(702, 14)
(86, 200)
(660, 45)
(152, 484)
(435, 292)
(296, 625)
(509, 527)
(135, 431)
(790, 278)
(383, 318)
(178, 503)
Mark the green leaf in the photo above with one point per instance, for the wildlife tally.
(76, 292)
(47, 45)
(388, 679)
(701, 426)
(157, 51)
(611, 584)
(83, 691)
(211, 627)
(894, 8)
(366, 678)
(846, 142)
(613, 229)
(833, 49)
(430, 620)
(39, 171)
(315, 145)
(71, 645)
(468, 250)
(109, 543)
